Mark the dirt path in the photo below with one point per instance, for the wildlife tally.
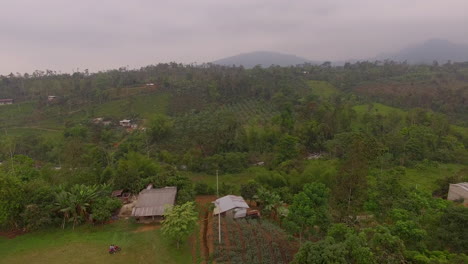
(146, 228)
(205, 232)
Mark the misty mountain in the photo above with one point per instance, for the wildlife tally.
(434, 49)
(263, 58)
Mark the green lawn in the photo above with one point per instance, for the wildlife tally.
(88, 244)
(377, 108)
(323, 89)
(426, 179)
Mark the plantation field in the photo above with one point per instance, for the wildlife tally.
(88, 244)
(250, 241)
(144, 105)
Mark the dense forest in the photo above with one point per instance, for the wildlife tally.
(352, 161)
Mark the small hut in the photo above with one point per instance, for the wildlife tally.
(231, 206)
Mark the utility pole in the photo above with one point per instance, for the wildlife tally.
(219, 208)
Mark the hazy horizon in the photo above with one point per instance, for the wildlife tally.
(64, 36)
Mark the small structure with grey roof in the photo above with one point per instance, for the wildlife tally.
(458, 192)
(231, 205)
(151, 203)
(6, 101)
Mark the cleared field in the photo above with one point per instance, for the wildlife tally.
(89, 244)
(426, 179)
(323, 89)
(377, 108)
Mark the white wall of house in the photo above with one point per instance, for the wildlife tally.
(458, 192)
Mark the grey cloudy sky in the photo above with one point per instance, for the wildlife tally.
(65, 35)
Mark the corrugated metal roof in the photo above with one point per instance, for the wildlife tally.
(463, 185)
(153, 202)
(229, 202)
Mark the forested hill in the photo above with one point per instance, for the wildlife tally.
(361, 154)
(262, 58)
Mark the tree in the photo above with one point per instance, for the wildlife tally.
(159, 127)
(179, 222)
(11, 203)
(287, 148)
(249, 189)
(269, 201)
(103, 208)
(324, 251)
(309, 210)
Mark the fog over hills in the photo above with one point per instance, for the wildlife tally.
(440, 50)
(262, 58)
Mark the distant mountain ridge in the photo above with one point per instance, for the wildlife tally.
(262, 58)
(440, 50)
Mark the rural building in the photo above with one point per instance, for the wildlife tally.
(231, 206)
(458, 191)
(98, 120)
(6, 101)
(51, 98)
(151, 203)
(120, 194)
(125, 123)
(150, 84)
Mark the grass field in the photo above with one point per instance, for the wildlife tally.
(377, 108)
(426, 178)
(323, 89)
(88, 244)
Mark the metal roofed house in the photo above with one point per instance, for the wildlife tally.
(6, 101)
(231, 205)
(458, 191)
(125, 123)
(151, 203)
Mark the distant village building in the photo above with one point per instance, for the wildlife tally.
(314, 156)
(6, 101)
(150, 84)
(51, 98)
(107, 123)
(98, 120)
(125, 123)
(458, 192)
(152, 203)
(231, 206)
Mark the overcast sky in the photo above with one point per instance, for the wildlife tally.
(64, 35)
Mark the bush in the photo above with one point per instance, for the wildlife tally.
(203, 189)
(103, 208)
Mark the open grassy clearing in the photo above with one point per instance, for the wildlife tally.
(89, 244)
(323, 89)
(377, 108)
(426, 179)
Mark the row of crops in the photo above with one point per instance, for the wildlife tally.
(251, 241)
